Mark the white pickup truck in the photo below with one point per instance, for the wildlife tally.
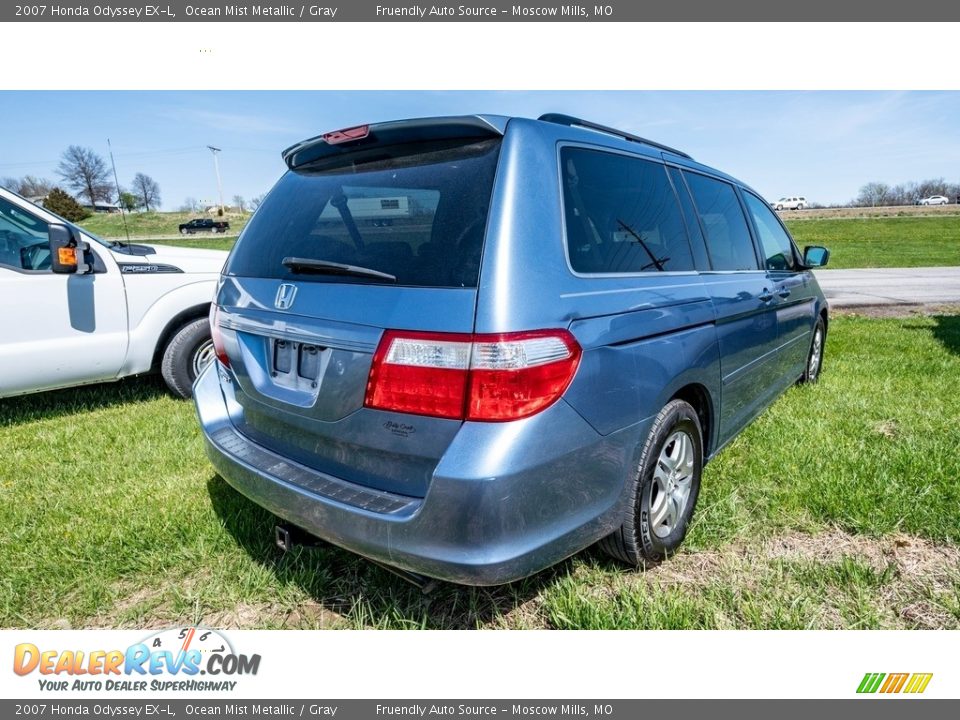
(77, 309)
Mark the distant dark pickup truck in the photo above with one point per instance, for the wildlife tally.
(203, 225)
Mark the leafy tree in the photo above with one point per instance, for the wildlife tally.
(130, 202)
(85, 173)
(147, 190)
(65, 206)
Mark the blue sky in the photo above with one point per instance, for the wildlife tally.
(823, 145)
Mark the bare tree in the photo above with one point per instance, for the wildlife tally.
(255, 201)
(28, 185)
(86, 173)
(147, 191)
(873, 194)
(190, 204)
(239, 202)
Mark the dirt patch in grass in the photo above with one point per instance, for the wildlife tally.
(910, 582)
(897, 311)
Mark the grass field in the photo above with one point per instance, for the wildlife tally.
(152, 224)
(839, 507)
(909, 241)
(883, 241)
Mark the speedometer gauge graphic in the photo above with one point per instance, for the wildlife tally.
(181, 640)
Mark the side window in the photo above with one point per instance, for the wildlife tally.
(728, 237)
(621, 214)
(23, 239)
(776, 245)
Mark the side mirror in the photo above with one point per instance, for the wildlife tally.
(815, 256)
(64, 250)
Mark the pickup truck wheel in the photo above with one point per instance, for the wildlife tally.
(187, 353)
(661, 497)
(183, 231)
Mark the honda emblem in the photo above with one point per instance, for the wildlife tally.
(285, 295)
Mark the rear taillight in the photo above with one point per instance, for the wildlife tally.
(473, 377)
(217, 336)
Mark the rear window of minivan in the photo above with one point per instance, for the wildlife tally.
(416, 212)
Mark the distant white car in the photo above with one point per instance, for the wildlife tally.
(78, 309)
(790, 203)
(933, 200)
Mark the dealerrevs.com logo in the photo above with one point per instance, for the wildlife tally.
(892, 683)
(181, 659)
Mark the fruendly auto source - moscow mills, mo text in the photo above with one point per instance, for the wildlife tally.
(295, 12)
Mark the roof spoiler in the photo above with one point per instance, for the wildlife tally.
(348, 140)
(572, 121)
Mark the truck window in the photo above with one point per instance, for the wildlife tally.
(23, 239)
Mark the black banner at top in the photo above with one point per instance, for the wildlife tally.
(479, 11)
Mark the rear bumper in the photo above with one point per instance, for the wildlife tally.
(505, 501)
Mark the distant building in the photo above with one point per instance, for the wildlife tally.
(103, 207)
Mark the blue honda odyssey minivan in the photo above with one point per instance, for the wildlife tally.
(469, 347)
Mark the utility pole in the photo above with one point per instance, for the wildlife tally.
(216, 167)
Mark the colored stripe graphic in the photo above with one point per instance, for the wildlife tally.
(894, 683)
(918, 682)
(870, 682)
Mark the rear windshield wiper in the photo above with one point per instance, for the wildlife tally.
(325, 267)
(654, 260)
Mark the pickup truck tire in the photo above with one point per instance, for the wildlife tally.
(187, 352)
(183, 231)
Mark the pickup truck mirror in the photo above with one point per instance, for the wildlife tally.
(64, 250)
(815, 256)
(68, 254)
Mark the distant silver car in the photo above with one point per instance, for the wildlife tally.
(790, 203)
(933, 200)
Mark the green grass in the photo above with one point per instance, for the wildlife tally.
(208, 242)
(853, 242)
(839, 507)
(151, 224)
(883, 241)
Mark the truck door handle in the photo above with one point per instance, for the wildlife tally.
(784, 293)
(765, 295)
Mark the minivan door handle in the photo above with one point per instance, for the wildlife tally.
(765, 295)
(784, 292)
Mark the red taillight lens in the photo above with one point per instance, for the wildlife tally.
(420, 373)
(474, 377)
(217, 336)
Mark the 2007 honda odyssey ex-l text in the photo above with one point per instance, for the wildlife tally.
(470, 347)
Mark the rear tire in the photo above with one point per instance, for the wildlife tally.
(186, 354)
(811, 371)
(662, 495)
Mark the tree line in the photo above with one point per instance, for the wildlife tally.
(878, 194)
(87, 175)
